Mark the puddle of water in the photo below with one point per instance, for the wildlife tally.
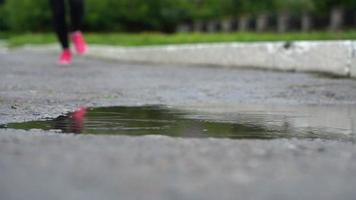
(262, 123)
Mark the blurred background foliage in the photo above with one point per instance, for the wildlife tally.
(155, 15)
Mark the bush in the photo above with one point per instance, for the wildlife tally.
(101, 15)
(3, 25)
(151, 15)
(27, 15)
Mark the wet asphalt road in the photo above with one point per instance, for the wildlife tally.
(44, 165)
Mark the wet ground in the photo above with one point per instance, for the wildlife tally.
(43, 164)
(282, 123)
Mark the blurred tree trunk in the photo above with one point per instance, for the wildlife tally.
(212, 26)
(243, 23)
(283, 21)
(306, 22)
(198, 26)
(183, 28)
(226, 25)
(336, 19)
(262, 22)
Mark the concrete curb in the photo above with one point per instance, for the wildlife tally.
(3, 47)
(335, 57)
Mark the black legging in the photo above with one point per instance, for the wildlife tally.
(59, 18)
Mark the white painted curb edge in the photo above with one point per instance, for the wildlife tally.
(335, 57)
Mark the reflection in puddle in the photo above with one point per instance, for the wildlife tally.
(159, 120)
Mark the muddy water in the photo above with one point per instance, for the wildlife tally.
(307, 122)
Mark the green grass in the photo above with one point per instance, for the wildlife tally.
(145, 39)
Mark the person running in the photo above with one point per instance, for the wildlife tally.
(61, 28)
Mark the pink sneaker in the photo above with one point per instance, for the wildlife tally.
(79, 42)
(77, 122)
(79, 114)
(65, 58)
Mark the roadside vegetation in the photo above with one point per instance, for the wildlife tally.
(159, 22)
(163, 15)
(144, 39)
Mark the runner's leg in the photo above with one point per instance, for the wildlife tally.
(60, 25)
(76, 14)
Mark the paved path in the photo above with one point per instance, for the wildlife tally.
(43, 165)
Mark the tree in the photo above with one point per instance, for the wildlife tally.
(27, 15)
